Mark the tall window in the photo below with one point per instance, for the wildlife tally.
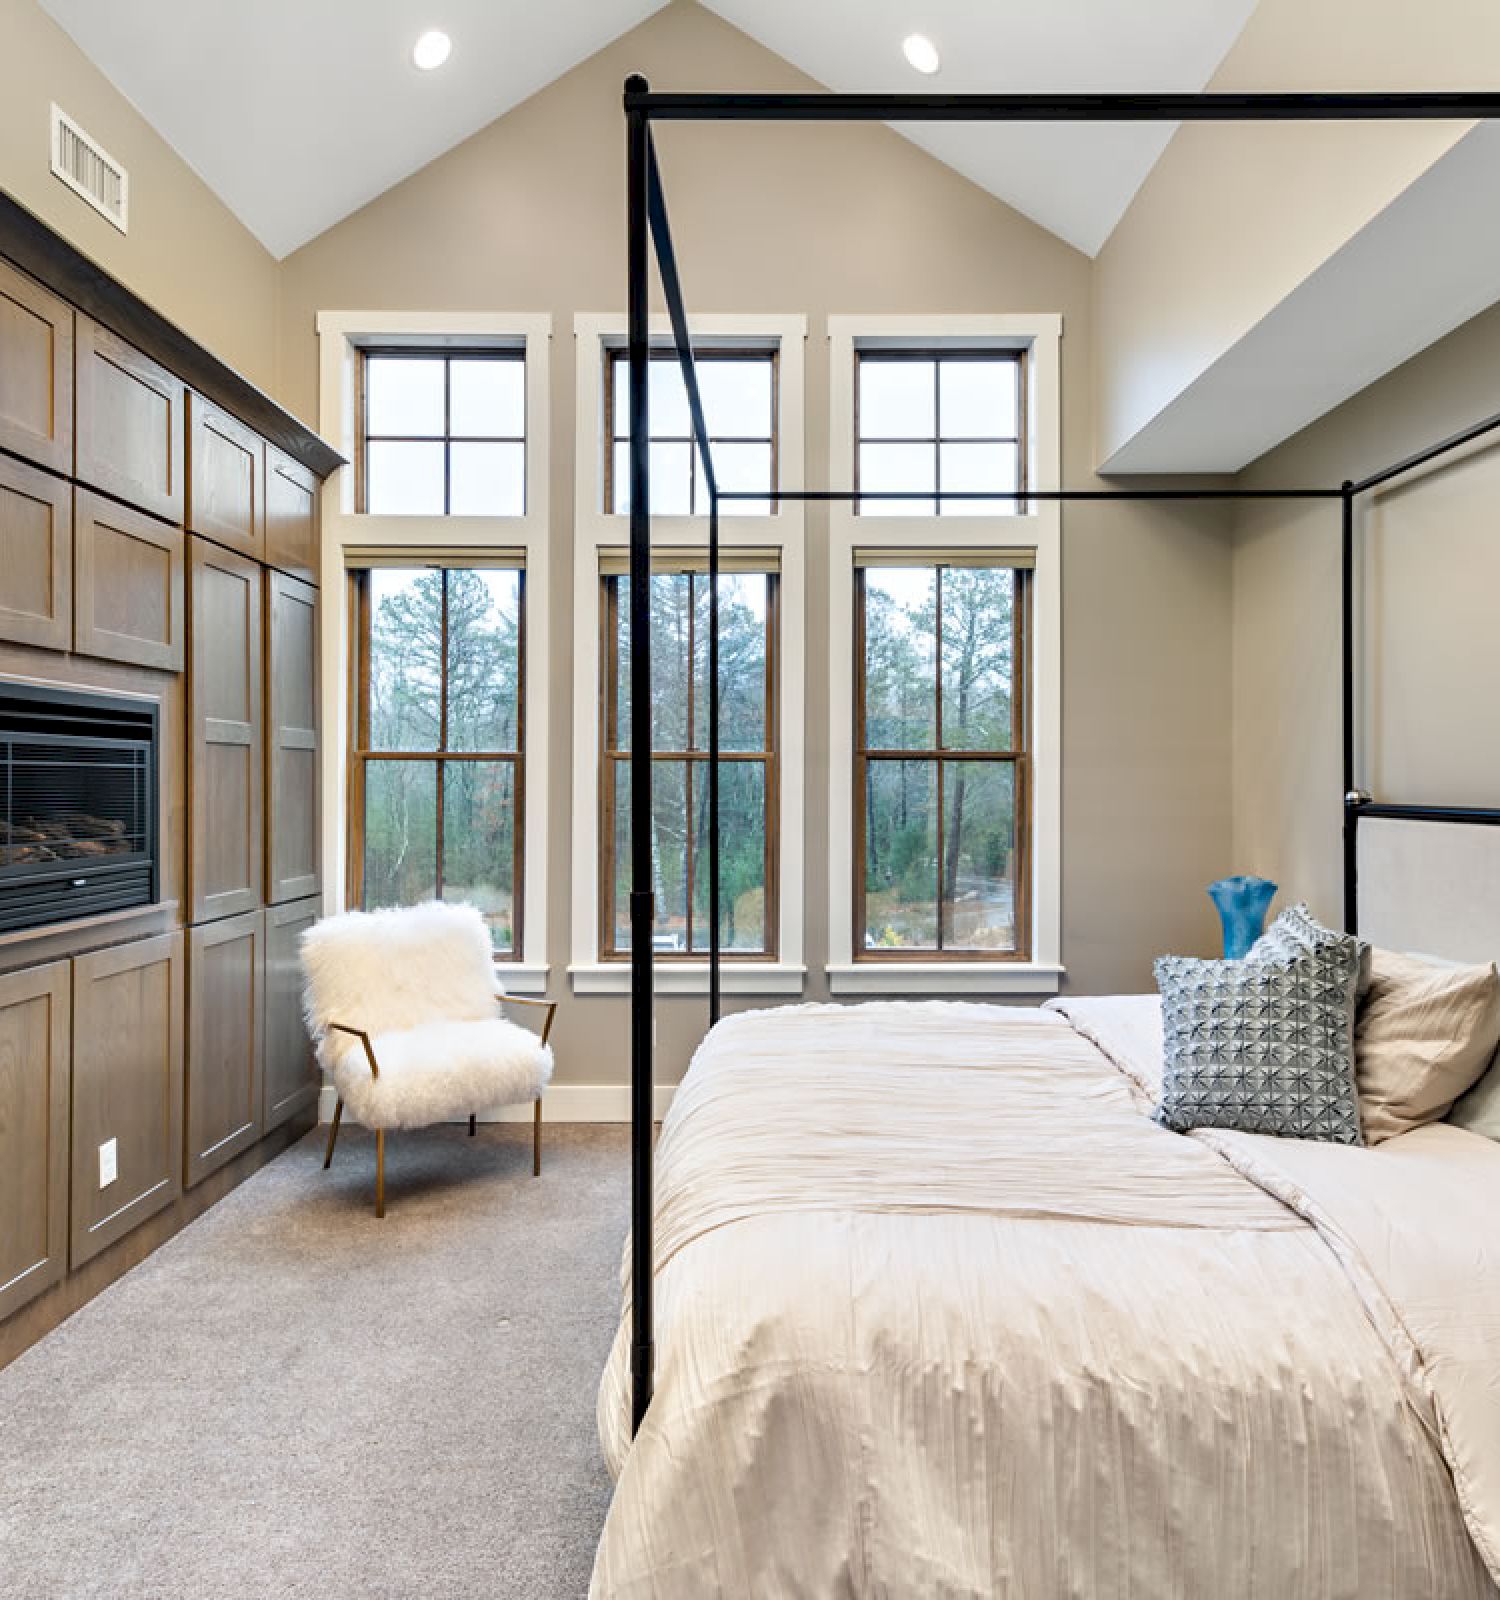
(679, 721)
(443, 433)
(941, 765)
(438, 764)
(738, 389)
(939, 420)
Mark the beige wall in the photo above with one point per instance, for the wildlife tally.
(529, 216)
(185, 254)
(1429, 649)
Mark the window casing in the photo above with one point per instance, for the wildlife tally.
(748, 768)
(437, 761)
(442, 431)
(941, 764)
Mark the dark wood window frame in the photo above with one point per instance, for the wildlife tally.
(1018, 757)
(616, 365)
(360, 754)
(447, 439)
(611, 753)
(938, 354)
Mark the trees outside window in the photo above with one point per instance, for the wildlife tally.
(941, 760)
(438, 761)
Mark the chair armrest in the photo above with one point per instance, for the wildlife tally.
(550, 1006)
(364, 1039)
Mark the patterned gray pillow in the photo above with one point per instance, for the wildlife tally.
(1265, 1045)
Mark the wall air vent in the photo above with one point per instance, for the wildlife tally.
(89, 170)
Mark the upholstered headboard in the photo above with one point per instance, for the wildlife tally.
(1430, 886)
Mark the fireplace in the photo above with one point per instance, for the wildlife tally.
(78, 801)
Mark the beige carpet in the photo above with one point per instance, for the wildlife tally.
(291, 1398)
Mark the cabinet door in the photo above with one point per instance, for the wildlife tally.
(291, 1077)
(127, 1088)
(36, 570)
(226, 739)
(291, 516)
(131, 430)
(36, 371)
(226, 1041)
(130, 591)
(226, 479)
(34, 1070)
(292, 833)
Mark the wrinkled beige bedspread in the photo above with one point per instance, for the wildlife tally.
(940, 1313)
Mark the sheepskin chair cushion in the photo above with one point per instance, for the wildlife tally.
(420, 981)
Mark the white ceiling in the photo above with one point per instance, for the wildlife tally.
(297, 112)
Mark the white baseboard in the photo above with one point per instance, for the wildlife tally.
(563, 1102)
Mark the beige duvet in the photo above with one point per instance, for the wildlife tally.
(940, 1312)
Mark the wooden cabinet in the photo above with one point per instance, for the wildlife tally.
(131, 433)
(226, 741)
(226, 1042)
(36, 556)
(34, 1073)
(292, 841)
(36, 371)
(127, 1088)
(226, 479)
(291, 1077)
(292, 498)
(130, 592)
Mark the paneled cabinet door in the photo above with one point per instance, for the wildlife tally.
(226, 479)
(131, 602)
(131, 428)
(291, 516)
(34, 1067)
(226, 738)
(128, 1017)
(36, 556)
(226, 1041)
(36, 371)
(291, 1073)
(292, 833)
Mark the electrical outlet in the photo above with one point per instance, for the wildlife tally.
(109, 1168)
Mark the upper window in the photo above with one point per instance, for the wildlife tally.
(738, 390)
(679, 791)
(436, 789)
(942, 770)
(443, 433)
(931, 420)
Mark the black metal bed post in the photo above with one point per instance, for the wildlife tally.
(1353, 799)
(642, 899)
(714, 952)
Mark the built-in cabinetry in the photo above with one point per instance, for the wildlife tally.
(159, 539)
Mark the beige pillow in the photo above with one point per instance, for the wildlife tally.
(1424, 1034)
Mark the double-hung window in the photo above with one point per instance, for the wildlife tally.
(437, 771)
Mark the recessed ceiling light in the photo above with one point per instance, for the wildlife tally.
(431, 50)
(921, 52)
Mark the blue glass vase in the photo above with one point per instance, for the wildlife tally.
(1242, 904)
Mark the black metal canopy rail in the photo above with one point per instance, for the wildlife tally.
(648, 226)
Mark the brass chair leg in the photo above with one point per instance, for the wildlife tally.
(536, 1140)
(473, 1124)
(333, 1134)
(380, 1172)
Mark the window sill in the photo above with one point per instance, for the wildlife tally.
(690, 977)
(519, 977)
(945, 977)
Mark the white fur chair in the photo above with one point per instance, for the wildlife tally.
(404, 1008)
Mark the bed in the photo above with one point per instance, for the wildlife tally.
(941, 1312)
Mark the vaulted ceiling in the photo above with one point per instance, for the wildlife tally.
(296, 114)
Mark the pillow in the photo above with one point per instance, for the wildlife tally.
(1479, 1109)
(1424, 1035)
(1296, 929)
(1265, 1045)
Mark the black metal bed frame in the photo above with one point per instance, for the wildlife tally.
(647, 226)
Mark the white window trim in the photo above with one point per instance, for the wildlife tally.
(1037, 526)
(341, 334)
(595, 530)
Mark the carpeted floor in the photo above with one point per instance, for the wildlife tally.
(291, 1398)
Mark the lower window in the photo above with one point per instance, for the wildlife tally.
(942, 772)
(679, 724)
(437, 766)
